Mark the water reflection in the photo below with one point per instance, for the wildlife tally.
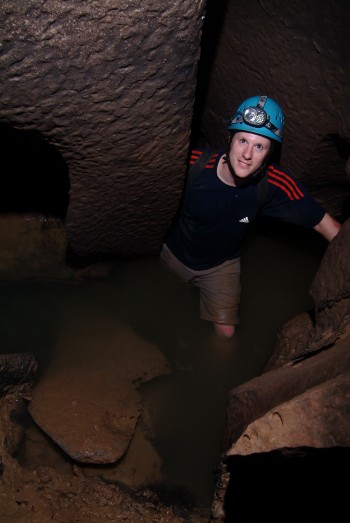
(184, 411)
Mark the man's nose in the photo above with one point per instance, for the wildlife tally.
(247, 153)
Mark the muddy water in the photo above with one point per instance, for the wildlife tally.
(186, 408)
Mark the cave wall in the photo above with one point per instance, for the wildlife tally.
(111, 85)
(299, 53)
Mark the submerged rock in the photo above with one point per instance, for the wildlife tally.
(87, 399)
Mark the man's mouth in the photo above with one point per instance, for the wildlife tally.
(243, 163)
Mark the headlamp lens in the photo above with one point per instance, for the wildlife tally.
(255, 116)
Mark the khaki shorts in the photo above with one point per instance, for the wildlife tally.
(219, 287)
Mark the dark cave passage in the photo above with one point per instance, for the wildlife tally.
(34, 175)
(304, 485)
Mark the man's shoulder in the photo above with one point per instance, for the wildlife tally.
(202, 159)
(275, 169)
(206, 156)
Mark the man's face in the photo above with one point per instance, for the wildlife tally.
(248, 152)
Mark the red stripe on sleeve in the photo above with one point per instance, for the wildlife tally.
(288, 193)
(211, 163)
(195, 155)
(284, 182)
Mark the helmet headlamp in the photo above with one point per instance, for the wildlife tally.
(255, 116)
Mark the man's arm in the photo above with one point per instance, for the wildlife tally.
(328, 227)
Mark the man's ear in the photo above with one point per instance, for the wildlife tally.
(230, 140)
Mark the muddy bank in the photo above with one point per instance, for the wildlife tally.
(68, 491)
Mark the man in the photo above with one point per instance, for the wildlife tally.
(204, 244)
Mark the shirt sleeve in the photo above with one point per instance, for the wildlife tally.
(288, 200)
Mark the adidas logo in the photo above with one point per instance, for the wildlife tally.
(244, 220)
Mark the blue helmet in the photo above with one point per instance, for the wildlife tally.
(259, 115)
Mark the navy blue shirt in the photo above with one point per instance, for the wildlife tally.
(214, 217)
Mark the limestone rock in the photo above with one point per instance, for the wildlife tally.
(92, 414)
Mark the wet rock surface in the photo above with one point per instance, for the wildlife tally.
(68, 492)
(92, 413)
(16, 370)
(111, 87)
(302, 399)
